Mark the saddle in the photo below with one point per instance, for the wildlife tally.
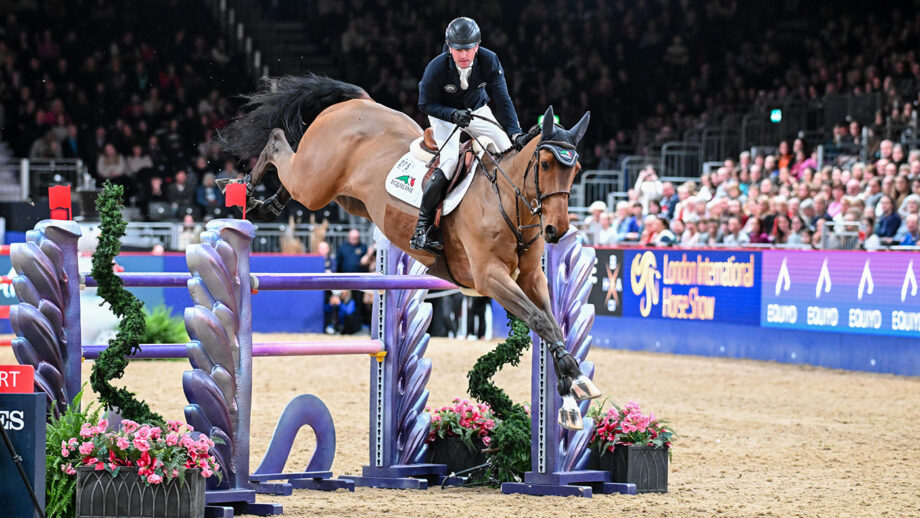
(425, 148)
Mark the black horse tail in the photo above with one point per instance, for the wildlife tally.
(290, 103)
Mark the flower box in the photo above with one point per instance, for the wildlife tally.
(455, 454)
(644, 466)
(99, 494)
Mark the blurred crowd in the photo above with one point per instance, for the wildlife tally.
(136, 95)
(781, 199)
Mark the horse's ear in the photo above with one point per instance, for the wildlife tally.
(578, 130)
(548, 121)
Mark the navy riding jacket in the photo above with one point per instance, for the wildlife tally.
(439, 92)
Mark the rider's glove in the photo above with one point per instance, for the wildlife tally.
(462, 118)
(519, 140)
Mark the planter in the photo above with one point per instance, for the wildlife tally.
(101, 495)
(644, 466)
(456, 455)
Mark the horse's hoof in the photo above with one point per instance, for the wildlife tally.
(583, 388)
(569, 414)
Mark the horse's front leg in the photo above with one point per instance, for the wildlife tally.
(495, 282)
(570, 379)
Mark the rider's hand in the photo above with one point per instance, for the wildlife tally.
(518, 141)
(462, 118)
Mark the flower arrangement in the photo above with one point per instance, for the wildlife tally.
(462, 419)
(160, 455)
(628, 425)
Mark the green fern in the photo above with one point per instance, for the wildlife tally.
(511, 436)
(163, 328)
(113, 360)
(61, 488)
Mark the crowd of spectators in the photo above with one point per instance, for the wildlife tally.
(781, 200)
(655, 67)
(136, 95)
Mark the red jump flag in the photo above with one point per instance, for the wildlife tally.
(235, 196)
(59, 202)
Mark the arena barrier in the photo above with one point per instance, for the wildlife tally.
(219, 386)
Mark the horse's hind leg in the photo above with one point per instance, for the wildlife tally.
(498, 284)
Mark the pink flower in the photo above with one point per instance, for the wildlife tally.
(65, 452)
(205, 472)
(102, 425)
(172, 439)
(68, 469)
(123, 443)
(129, 425)
(486, 440)
(175, 473)
(141, 444)
(143, 432)
(173, 425)
(154, 479)
(90, 460)
(86, 448)
(87, 430)
(72, 443)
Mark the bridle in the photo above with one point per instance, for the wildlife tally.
(535, 206)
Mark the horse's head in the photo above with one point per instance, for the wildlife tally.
(557, 164)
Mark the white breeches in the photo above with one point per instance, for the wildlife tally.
(478, 127)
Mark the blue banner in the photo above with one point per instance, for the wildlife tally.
(851, 292)
(693, 285)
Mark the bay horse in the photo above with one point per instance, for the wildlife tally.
(329, 141)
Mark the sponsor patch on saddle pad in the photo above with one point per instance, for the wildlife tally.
(405, 183)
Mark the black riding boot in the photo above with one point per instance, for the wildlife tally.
(426, 234)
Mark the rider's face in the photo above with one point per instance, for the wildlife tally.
(463, 57)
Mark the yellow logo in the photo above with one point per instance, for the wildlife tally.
(643, 277)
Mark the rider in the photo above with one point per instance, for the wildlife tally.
(456, 86)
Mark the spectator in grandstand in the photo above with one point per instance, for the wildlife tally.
(46, 147)
(656, 232)
(621, 216)
(137, 161)
(648, 186)
(208, 195)
(631, 228)
(796, 227)
(755, 231)
(592, 221)
(111, 165)
(606, 233)
(348, 255)
(820, 211)
(782, 229)
(669, 200)
(190, 233)
(179, 194)
(912, 234)
(678, 229)
(710, 235)
(889, 222)
(735, 236)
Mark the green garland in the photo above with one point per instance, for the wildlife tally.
(113, 360)
(511, 438)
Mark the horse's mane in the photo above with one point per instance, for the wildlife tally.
(290, 103)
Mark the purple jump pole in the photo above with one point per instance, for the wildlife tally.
(47, 319)
(559, 456)
(399, 424)
(146, 280)
(339, 281)
(322, 348)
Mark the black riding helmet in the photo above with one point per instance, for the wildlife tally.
(463, 33)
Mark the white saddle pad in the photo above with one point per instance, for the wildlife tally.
(405, 183)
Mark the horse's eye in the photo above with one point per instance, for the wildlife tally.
(544, 165)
